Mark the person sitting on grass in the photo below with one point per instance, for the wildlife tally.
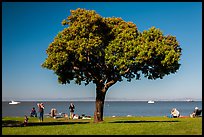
(174, 113)
(25, 121)
(196, 112)
(53, 112)
(33, 112)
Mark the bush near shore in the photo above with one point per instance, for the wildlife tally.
(133, 125)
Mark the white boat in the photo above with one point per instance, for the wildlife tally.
(150, 102)
(14, 102)
(189, 100)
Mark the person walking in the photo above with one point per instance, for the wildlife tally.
(71, 109)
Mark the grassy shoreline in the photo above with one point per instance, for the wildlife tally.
(111, 126)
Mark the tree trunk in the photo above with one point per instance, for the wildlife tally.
(100, 98)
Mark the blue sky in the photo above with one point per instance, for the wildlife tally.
(29, 27)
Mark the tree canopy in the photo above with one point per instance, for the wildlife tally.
(93, 48)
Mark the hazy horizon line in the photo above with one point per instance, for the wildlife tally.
(93, 99)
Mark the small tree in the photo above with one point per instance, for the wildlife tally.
(107, 50)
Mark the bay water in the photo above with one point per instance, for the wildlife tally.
(111, 108)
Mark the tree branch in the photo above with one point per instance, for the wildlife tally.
(109, 84)
(126, 71)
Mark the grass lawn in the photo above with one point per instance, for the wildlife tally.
(110, 126)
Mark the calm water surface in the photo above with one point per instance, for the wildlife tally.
(111, 108)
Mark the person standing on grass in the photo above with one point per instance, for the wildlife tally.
(71, 109)
(41, 111)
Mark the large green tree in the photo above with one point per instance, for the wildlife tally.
(107, 50)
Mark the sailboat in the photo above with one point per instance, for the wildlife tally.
(150, 102)
(14, 102)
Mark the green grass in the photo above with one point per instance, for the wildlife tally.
(110, 126)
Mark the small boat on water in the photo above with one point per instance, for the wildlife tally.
(14, 102)
(150, 102)
(189, 100)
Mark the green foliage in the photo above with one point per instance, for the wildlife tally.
(100, 50)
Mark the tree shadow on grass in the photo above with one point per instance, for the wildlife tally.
(141, 121)
(10, 123)
(55, 123)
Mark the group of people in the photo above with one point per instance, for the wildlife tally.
(175, 113)
(33, 113)
(41, 108)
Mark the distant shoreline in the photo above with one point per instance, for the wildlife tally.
(105, 101)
